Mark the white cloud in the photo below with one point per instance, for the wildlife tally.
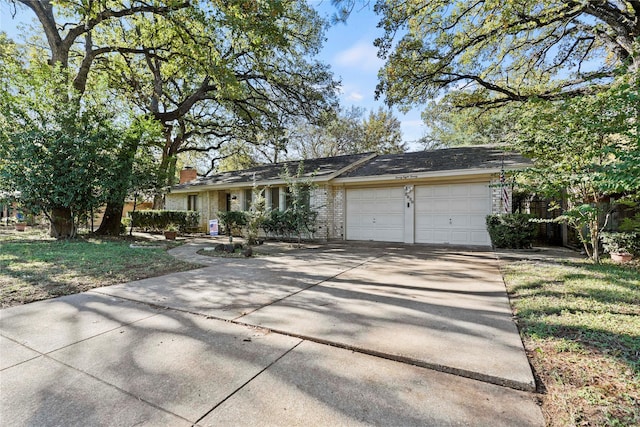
(355, 96)
(412, 123)
(362, 55)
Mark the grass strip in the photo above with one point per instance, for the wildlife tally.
(580, 323)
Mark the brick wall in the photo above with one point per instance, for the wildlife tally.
(497, 205)
(175, 202)
(320, 205)
(338, 212)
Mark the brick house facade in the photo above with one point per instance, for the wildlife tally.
(438, 196)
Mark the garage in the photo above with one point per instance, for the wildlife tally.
(375, 214)
(437, 214)
(452, 214)
(434, 196)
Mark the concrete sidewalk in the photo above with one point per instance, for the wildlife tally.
(345, 334)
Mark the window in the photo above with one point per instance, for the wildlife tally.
(306, 196)
(288, 199)
(247, 199)
(304, 202)
(275, 198)
(192, 202)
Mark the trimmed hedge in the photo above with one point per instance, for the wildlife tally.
(233, 221)
(290, 223)
(160, 220)
(513, 231)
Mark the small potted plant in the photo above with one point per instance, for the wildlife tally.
(171, 232)
(18, 221)
(621, 246)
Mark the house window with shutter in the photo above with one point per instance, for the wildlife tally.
(304, 200)
(275, 198)
(192, 202)
(247, 199)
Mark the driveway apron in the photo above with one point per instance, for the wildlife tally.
(343, 334)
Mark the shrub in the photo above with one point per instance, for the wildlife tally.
(290, 223)
(621, 243)
(232, 221)
(276, 223)
(256, 215)
(159, 220)
(631, 224)
(125, 223)
(512, 231)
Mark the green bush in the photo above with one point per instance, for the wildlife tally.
(125, 223)
(277, 223)
(160, 220)
(513, 231)
(621, 243)
(631, 224)
(290, 223)
(233, 221)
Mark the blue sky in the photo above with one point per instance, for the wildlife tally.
(349, 50)
(353, 58)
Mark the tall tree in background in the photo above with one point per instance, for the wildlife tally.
(334, 136)
(450, 126)
(347, 131)
(339, 132)
(503, 51)
(382, 134)
(205, 72)
(230, 74)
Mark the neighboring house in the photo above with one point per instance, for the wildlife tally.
(439, 196)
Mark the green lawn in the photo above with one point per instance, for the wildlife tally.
(34, 267)
(581, 327)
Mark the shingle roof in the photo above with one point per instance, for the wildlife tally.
(462, 158)
(318, 168)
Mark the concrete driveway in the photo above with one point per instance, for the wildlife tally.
(344, 334)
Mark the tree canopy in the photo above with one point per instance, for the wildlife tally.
(208, 73)
(348, 131)
(54, 156)
(585, 149)
(503, 50)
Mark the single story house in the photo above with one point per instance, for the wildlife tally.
(438, 196)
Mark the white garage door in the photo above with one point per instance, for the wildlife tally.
(453, 214)
(375, 214)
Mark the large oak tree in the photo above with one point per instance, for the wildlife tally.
(69, 28)
(504, 50)
(244, 70)
(206, 71)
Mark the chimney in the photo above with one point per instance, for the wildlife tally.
(188, 174)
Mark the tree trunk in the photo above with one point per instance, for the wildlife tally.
(595, 241)
(167, 175)
(110, 225)
(112, 219)
(62, 225)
